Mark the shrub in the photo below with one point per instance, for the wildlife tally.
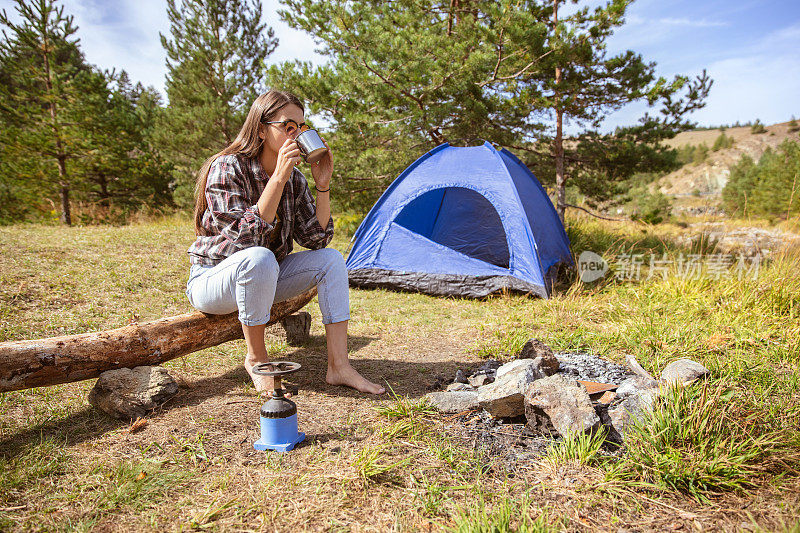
(757, 127)
(685, 154)
(768, 188)
(347, 222)
(722, 142)
(700, 154)
(651, 208)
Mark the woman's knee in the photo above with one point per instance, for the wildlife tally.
(259, 262)
(333, 259)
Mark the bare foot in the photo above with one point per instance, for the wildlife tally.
(348, 376)
(262, 383)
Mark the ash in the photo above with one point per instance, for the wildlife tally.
(508, 446)
(509, 440)
(592, 368)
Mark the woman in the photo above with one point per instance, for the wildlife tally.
(251, 204)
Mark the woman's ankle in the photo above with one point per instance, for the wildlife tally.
(253, 359)
(339, 363)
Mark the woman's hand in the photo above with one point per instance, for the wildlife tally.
(322, 170)
(288, 157)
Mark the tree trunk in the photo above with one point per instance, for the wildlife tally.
(103, 182)
(561, 195)
(561, 181)
(66, 213)
(35, 363)
(61, 156)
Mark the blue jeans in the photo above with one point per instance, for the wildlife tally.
(250, 281)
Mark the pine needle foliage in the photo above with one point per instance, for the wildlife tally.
(216, 54)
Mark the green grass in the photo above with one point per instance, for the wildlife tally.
(133, 485)
(47, 459)
(372, 463)
(392, 459)
(577, 449)
(705, 440)
(509, 515)
(403, 407)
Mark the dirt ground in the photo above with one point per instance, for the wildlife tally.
(368, 463)
(208, 429)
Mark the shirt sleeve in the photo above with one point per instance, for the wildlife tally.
(307, 230)
(231, 212)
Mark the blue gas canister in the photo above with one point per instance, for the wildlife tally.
(278, 414)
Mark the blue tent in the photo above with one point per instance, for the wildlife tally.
(462, 222)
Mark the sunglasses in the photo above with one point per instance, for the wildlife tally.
(291, 127)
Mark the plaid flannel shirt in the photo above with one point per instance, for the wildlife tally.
(231, 220)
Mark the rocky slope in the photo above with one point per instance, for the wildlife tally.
(709, 178)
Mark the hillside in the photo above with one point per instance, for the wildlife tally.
(709, 177)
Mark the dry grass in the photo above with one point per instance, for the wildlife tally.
(368, 464)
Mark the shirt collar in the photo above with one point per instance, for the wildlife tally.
(257, 170)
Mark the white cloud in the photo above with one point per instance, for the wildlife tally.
(293, 44)
(692, 23)
(640, 33)
(125, 35)
(759, 80)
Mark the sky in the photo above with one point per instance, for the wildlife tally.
(750, 48)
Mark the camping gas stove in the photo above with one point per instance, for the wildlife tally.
(278, 414)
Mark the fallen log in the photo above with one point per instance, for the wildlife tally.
(36, 363)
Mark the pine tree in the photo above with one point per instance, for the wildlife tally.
(583, 85)
(122, 169)
(768, 188)
(404, 77)
(216, 57)
(42, 76)
(407, 75)
(757, 127)
(722, 142)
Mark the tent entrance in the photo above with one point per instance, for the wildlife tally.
(460, 219)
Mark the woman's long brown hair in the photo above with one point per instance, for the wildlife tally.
(247, 143)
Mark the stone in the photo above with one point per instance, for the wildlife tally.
(297, 328)
(539, 351)
(489, 366)
(684, 370)
(454, 387)
(507, 367)
(479, 380)
(559, 404)
(607, 397)
(634, 384)
(461, 377)
(512, 365)
(132, 393)
(534, 348)
(624, 414)
(535, 368)
(453, 402)
(523, 370)
(503, 398)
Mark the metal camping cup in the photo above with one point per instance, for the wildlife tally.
(311, 146)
